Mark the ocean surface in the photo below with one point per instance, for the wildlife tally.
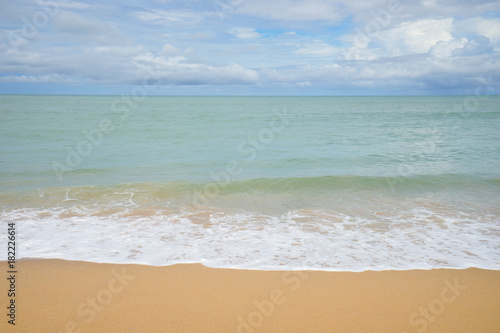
(326, 183)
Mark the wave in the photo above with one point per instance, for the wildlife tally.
(349, 182)
(423, 237)
(328, 223)
(298, 186)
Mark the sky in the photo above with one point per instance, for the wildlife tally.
(250, 47)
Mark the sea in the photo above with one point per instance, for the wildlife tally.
(269, 183)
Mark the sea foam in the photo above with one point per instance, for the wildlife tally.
(299, 239)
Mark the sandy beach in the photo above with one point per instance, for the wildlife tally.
(66, 296)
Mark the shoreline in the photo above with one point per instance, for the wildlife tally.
(287, 269)
(72, 296)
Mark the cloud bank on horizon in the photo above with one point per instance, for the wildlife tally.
(250, 47)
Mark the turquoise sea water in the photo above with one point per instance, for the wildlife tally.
(334, 183)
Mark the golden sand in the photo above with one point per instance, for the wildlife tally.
(65, 296)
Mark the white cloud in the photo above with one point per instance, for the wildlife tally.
(176, 70)
(318, 49)
(244, 33)
(427, 43)
(477, 46)
(480, 26)
(462, 47)
(73, 23)
(170, 16)
(121, 51)
(356, 53)
(201, 35)
(446, 48)
(170, 50)
(88, 30)
(419, 71)
(66, 4)
(49, 78)
(415, 36)
(291, 10)
(365, 11)
(189, 51)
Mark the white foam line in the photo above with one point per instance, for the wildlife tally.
(246, 241)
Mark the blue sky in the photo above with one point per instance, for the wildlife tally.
(249, 47)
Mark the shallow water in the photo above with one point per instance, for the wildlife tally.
(333, 183)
